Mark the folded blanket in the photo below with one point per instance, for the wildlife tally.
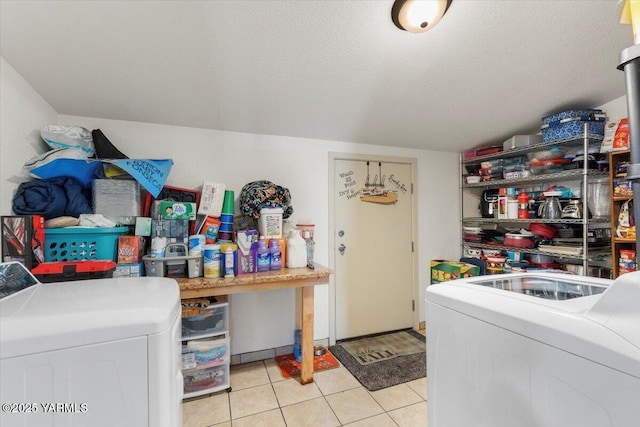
(53, 197)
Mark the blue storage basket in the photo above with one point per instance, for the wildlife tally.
(570, 124)
(82, 243)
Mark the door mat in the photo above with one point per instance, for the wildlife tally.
(289, 367)
(384, 360)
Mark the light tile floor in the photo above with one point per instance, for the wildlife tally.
(261, 396)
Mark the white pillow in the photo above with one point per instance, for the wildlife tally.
(62, 136)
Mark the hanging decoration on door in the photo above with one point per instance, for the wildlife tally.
(375, 192)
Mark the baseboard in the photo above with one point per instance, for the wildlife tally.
(271, 353)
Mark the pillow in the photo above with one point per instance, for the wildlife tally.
(62, 136)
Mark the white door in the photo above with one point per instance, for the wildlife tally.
(373, 246)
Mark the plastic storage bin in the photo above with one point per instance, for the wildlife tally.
(82, 243)
(205, 353)
(213, 320)
(548, 166)
(570, 123)
(209, 379)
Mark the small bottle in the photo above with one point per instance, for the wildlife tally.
(264, 256)
(229, 263)
(276, 255)
(523, 206)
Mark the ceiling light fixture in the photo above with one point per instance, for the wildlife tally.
(418, 16)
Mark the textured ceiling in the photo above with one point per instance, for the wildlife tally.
(334, 70)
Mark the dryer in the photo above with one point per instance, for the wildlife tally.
(102, 352)
(534, 350)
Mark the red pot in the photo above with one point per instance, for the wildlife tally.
(543, 230)
(519, 241)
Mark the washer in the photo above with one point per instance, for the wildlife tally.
(102, 352)
(534, 350)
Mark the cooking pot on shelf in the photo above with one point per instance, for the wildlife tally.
(543, 230)
(519, 240)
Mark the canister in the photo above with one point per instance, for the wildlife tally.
(212, 261)
(196, 244)
(270, 222)
(229, 259)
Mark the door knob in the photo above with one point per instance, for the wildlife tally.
(341, 248)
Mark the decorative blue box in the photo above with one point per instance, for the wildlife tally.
(570, 124)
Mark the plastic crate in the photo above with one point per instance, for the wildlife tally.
(82, 243)
(570, 124)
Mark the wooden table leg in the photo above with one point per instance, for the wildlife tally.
(306, 371)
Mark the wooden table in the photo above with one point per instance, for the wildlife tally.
(304, 278)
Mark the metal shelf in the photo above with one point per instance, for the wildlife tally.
(592, 252)
(584, 141)
(480, 220)
(515, 152)
(574, 174)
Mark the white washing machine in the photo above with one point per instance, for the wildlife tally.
(103, 352)
(534, 350)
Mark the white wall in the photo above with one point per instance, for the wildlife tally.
(23, 112)
(265, 320)
(261, 320)
(615, 109)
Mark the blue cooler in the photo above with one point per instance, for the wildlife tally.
(570, 124)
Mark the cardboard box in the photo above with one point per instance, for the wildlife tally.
(23, 239)
(129, 249)
(169, 209)
(177, 228)
(443, 271)
(181, 195)
(211, 199)
(128, 270)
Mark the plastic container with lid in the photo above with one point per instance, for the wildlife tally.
(539, 167)
(270, 222)
(305, 225)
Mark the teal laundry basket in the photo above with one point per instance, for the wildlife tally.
(82, 243)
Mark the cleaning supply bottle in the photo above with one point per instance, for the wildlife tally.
(296, 250)
(229, 264)
(264, 256)
(276, 254)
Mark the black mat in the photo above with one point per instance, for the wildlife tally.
(385, 373)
